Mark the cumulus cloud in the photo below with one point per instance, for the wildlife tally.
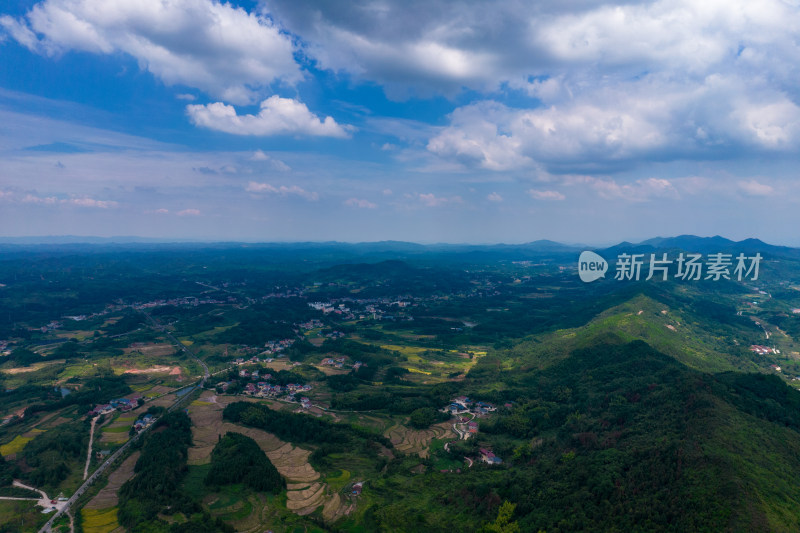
(617, 125)
(360, 203)
(616, 84)
(278, 116)
(221, 49)
(282, 190)
(188, 213)
(447, 45)
(545, 195)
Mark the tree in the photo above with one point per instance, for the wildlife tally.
(503, 523)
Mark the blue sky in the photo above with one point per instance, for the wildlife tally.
(407, 120)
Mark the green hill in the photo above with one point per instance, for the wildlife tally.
(692, 334)
(623, 438)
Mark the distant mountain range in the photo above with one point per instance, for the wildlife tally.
(534, 249)
(704, 245)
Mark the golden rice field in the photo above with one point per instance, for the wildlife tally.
(99, 520)
(15, 446)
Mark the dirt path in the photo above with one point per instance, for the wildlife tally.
(89, 451)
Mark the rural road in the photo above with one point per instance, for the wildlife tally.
(89, 451)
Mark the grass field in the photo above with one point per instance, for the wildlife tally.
(338, 481)
(21, 516)
(118, 429)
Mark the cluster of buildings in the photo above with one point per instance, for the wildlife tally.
(123, 404)
(273, 347)
(462, 404)
(311, 324)
(327, 307)
(143, 422)
(337, 362)
(763, 350)
(264, 389)
(190, 301)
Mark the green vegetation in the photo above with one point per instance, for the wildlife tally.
(619, 406)
(238, 459)
(299, 428)
(49, 454)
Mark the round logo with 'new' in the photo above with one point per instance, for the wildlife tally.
(591, 267)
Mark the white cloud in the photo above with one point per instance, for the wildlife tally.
(278, 116)
(283, 190)
(218, 48)
(640, 190)
(33, 199)
(275, 164)
(622, 123)
(431, 200)
(443, 46)
(360, 203)
(545, 195)
(617, 84)
(83, 201)
(755, 188)
(90, 202)
(259, 155)
(494, 197)
(188, 213)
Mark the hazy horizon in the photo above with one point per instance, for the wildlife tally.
(135, 239)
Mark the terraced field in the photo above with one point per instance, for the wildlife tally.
(418, 441)
(107, 497)
(305, 492)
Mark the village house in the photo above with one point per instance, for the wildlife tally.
(489, 458)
